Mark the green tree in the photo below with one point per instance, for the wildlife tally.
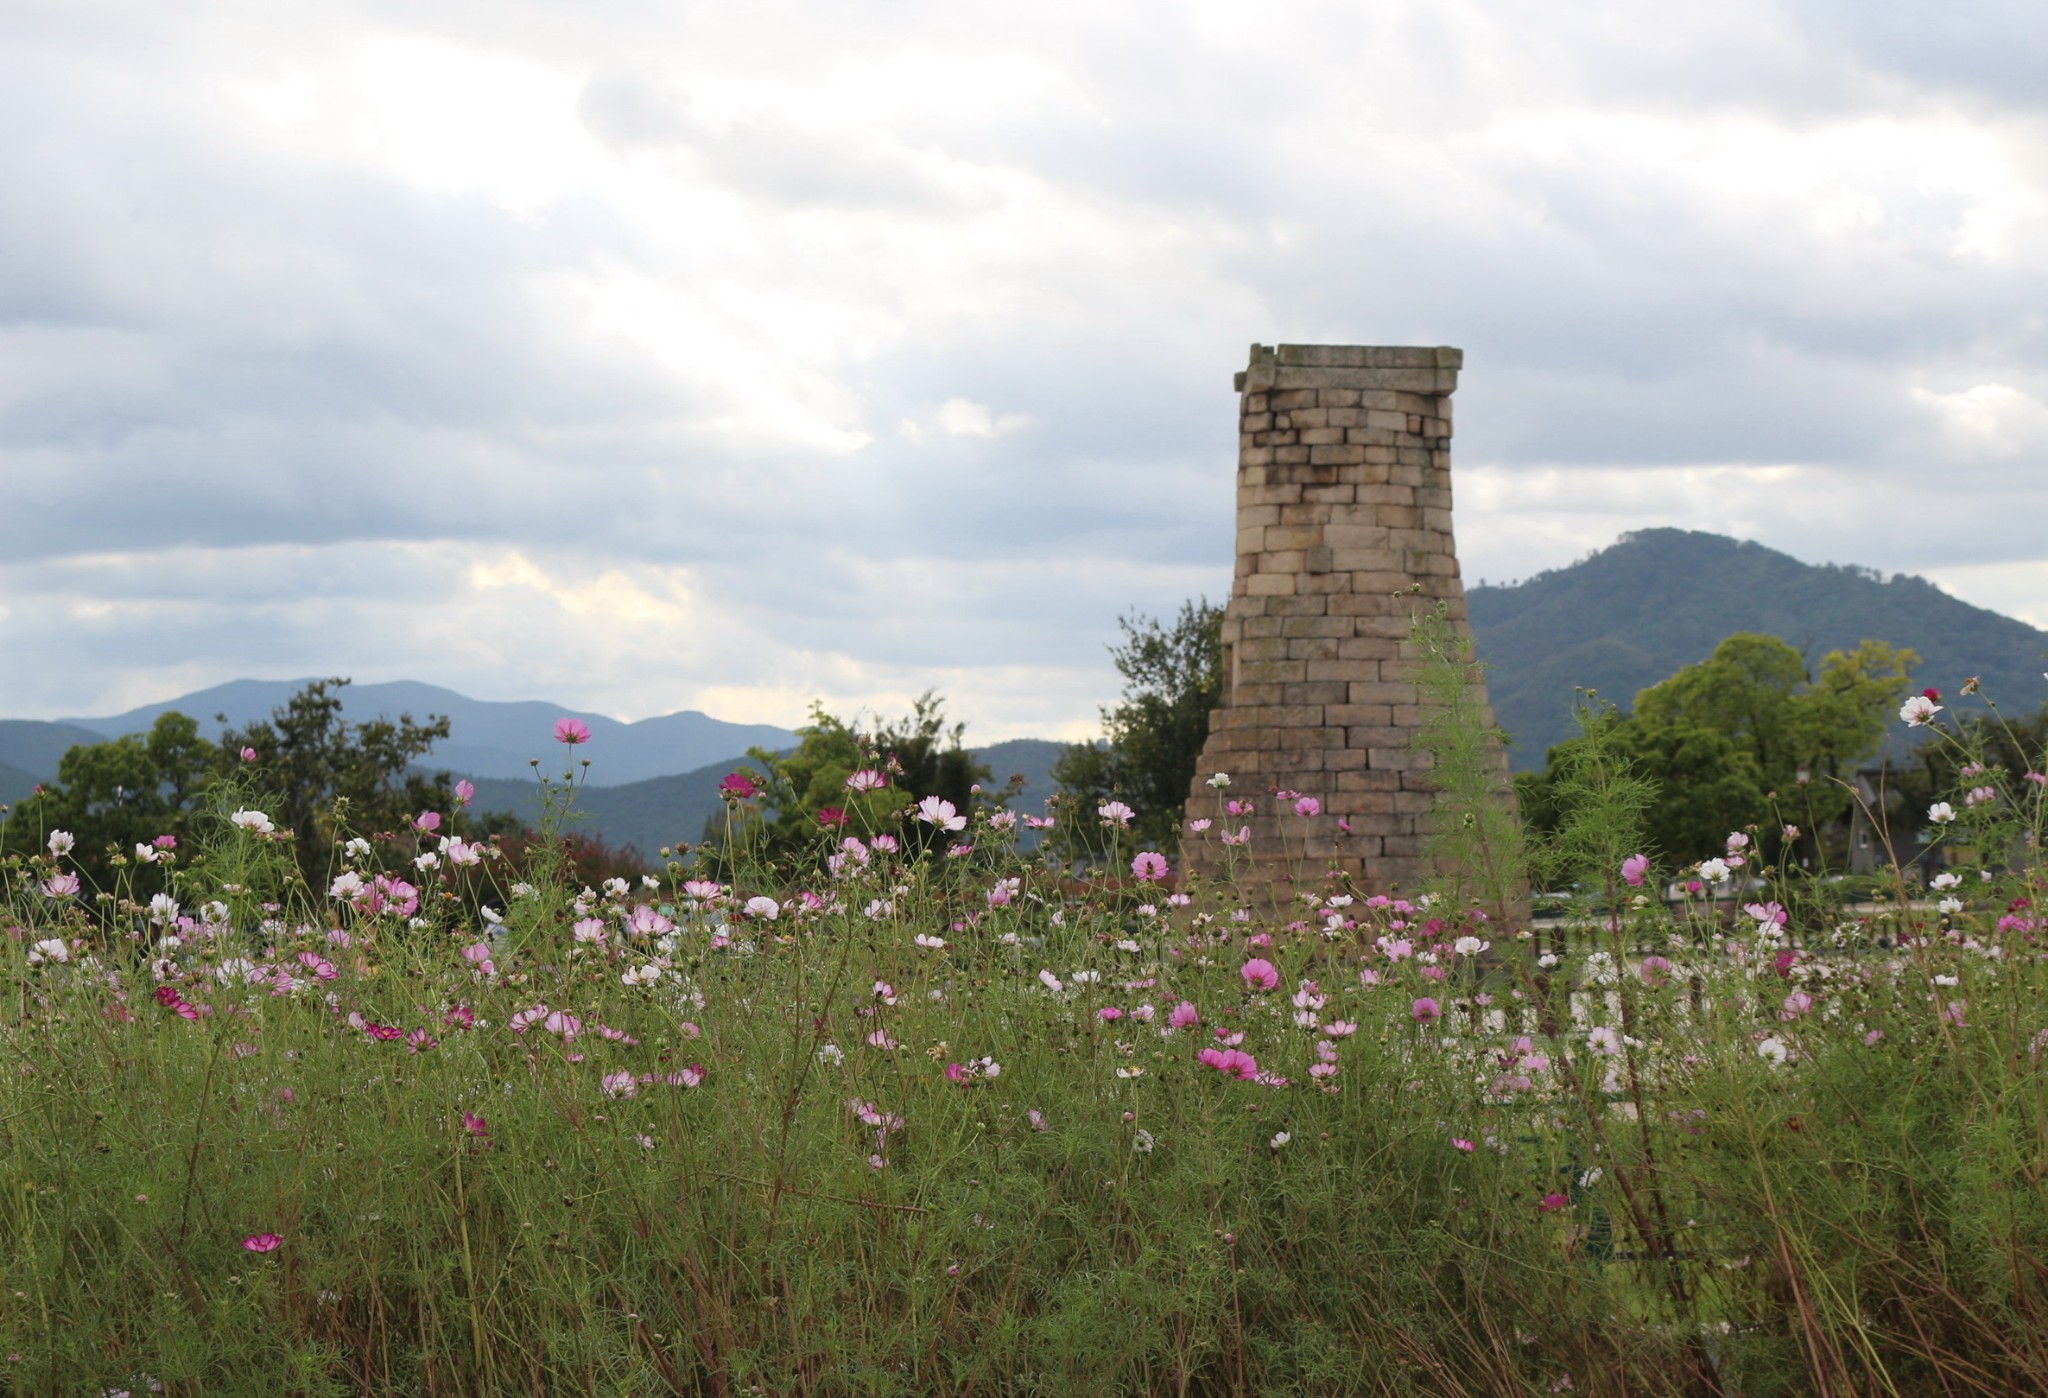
(115, 795)
(1726, 737)
(1173, 679)
(806, 804)
(1756, 690)
(330, 778)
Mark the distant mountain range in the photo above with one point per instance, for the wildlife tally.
(486, 738)
(1661, 599)
(1618, 621)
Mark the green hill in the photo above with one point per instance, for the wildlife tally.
(1661, 599)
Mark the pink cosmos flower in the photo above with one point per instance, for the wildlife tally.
(248, 754)
(1149, 866)
(1766, 914)
(1184, 1015)
(1424, 1010)
(476, 1125)
(1115, 813)
(60, 886)
(1036, 1118)
(478, 954)
(1633, 868)
(620, 1084)
(387, 894)
(571, 731)
(1260, 974)
(465, 792)
(427, 821)
(866, 780)
(647, 922)
(419, 1041)
(261, 1242)
(1462, 1144)
(1109, 1014)
(1796, 1004)
(1655, 970)
(1308, 806)
(1551, 1203)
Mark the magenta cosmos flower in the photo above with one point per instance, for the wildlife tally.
(261, 1242)
(1424, 1010)
(1235, 1063)
(571, 731)
(1260, 974)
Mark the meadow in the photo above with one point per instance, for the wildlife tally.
(929, 1115)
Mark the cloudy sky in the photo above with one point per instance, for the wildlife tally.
(645, 356)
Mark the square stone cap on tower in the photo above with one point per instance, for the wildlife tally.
(1407, 368)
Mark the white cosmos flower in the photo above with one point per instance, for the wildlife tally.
(1917, 710)
(935, 811)
(255, 822)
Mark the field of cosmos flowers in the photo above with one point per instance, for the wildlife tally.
(920, 1113)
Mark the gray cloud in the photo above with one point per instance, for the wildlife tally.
(667, 359)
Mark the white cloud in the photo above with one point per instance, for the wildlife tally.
(1991, 419)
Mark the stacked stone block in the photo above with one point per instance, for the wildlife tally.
(1343, 533)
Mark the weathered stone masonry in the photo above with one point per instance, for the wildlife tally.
(1343, 507)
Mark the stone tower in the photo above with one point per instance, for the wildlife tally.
(1343, 507)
